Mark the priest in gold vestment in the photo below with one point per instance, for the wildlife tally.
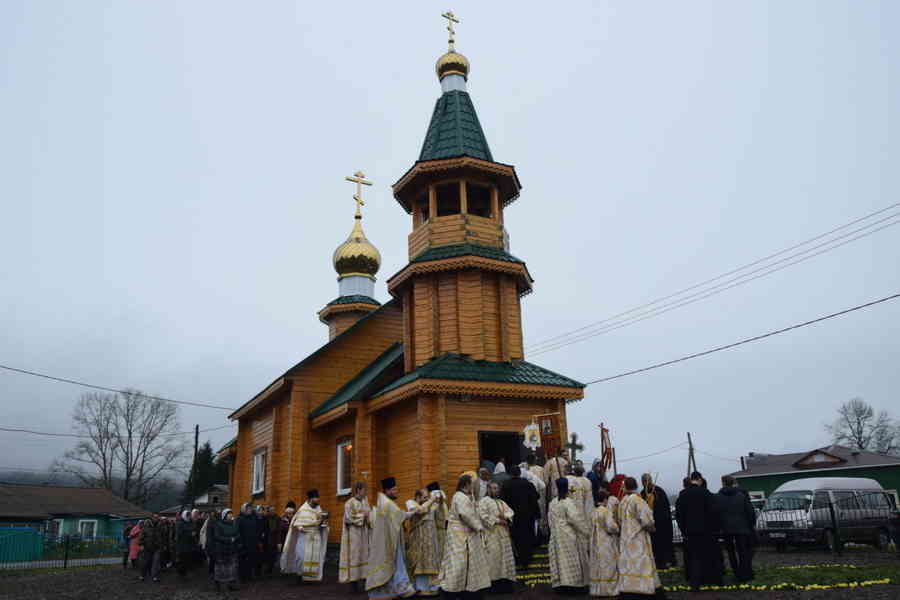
(423, 559)
(387, 577)
(569, 563)
(306, 541)
(637, 568)
(604, 550)
(464, 566)
(496, 516)
(354, 561)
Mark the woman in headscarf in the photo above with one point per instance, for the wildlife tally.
(569, 566)
(184, 543)
(134, 543)
(226, 548)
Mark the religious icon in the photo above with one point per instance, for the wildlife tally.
(532, 437)
(547, 427)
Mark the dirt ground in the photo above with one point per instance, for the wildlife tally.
(114, 583)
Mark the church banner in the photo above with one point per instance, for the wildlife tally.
(551, 441)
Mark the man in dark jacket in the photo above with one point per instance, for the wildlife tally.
(738, 520)
(695, 512)
(151, 544)
(248, 527)
(522, 498)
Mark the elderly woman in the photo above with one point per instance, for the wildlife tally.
(184, 543)
(226, 547)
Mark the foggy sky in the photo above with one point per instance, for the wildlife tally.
(172, 192)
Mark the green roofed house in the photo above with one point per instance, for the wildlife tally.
(763, 473)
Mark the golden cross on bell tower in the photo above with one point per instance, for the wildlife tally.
(451, 19)
(359, 178)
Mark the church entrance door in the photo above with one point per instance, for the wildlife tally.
(506, 444)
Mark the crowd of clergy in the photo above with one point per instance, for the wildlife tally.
(605, 538)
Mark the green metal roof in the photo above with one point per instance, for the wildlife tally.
(455, 366)
(455, 250)
(454, 130)
(356, 388)
(354, 299)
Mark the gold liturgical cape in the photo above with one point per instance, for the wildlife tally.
(422, 544)
(464, 567)
(355, 536)
(568, 560)
(637, 568)
(387, 533)
(604, 553)
(305, 544)
(496, 516)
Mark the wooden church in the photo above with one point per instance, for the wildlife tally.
(428, 384)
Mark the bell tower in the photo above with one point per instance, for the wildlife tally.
(461, 288)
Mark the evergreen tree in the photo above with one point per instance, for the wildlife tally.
(208, 471)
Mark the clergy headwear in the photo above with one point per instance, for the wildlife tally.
(312, 493)
(515, 471)
(388, 483)
(562, 486)
(433, 486)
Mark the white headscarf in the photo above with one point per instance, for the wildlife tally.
(185, 515)
(226, 512)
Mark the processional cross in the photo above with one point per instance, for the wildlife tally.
(451, 19)
(574, 447)
(359, 178)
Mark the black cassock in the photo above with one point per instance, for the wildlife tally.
(522, 498)
(663, 547)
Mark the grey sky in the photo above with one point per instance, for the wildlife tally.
(172, 190)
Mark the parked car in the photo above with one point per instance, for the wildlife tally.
(826, 511)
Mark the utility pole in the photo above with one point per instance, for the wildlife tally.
(692, 463)
(192, 479)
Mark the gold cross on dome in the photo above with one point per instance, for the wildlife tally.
(359, 178)
(451, 19)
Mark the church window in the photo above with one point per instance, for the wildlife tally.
(448, 199)
(344, 466)
(478, 200)
(422, 207)
(259, 472)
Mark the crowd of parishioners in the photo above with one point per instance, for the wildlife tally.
(232, 548)
(606, 538)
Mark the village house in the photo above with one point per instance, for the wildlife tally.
(763, 473)
(428, 384)
(59, 510)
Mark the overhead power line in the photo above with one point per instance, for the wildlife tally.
(675, 447)
(703, 294)
(109, 389)
(76, 435)
(560, 339)
(745, 341)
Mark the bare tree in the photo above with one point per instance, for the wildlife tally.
(861, 428)
(131, 442)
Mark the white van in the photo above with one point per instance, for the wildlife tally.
(805, 511)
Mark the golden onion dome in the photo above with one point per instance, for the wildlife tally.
(357, 256)
(452, 63)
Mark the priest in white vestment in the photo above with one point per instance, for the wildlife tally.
(497, 516)
(306, 541)
(354, 560)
